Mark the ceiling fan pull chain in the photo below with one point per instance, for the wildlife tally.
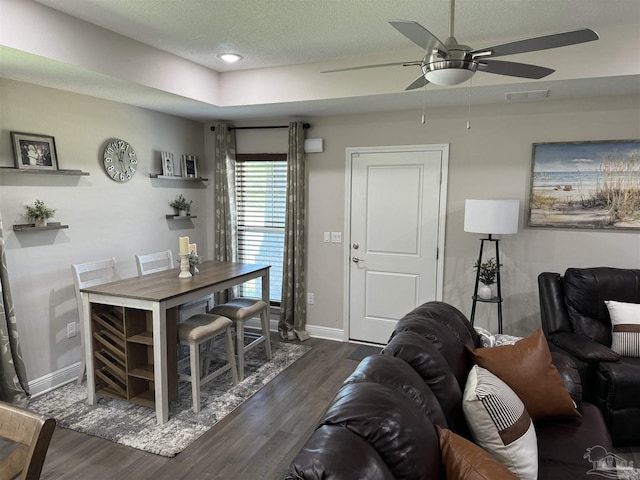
(469, 106)
(424, 102)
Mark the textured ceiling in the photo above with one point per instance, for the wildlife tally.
(287, 32)
(290, 37)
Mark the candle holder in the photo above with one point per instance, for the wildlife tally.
(184, 266)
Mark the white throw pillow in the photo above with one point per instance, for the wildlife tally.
(500, 424)
(625, 325)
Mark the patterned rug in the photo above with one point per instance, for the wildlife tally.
(135, 426)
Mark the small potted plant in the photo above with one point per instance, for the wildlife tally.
(487, 275)
(194, 261)
(39, 212)
(181, 205)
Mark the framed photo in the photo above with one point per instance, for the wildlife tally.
(34, 152)
(586, 185)
(167, 163)
(189, 166)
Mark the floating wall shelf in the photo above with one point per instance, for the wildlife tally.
(31, 227)
(176, 178)
(180, 217)
(43, 172)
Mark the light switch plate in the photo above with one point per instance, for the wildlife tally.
(336, 237)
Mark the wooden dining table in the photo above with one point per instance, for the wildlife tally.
(110, 348)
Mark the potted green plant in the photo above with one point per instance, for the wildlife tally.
(181, 205)
(487, 276)
(194, 261)
(39, 212)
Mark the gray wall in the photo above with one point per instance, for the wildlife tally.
(491, 160)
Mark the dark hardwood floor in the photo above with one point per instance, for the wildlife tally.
(256, 441)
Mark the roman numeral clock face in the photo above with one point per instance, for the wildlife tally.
(120, 161)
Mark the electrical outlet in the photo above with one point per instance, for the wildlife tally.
(311, 298)
(71, 330)
(327, 237)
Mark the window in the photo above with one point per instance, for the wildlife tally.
(261, 188)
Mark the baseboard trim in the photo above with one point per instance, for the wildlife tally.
(315, 331)
(54, 380)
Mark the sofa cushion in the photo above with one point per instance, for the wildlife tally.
(332, 451)
(395, 427)
(586, 289)
(527, 368)
(427, 361)
(563, 443)
(464, 460)
(395, 373)
(448, 329)
(625, 323)
(500, 423)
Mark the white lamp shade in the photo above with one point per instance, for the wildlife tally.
(491, 216)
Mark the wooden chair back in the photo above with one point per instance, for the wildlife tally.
(87, 275)
(32, 433)
(154, 262)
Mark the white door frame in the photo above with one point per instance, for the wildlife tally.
(442, 216)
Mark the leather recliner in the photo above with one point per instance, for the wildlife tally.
(576, 321)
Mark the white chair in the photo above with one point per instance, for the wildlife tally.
(87, 275)
(196, 331)
(159, 261)
(240, 310)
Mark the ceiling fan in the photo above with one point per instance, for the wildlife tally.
(450, 63)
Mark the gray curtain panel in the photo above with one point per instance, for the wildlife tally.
(225, 234)
(14, 387)
(293, 306)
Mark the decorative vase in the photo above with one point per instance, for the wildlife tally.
(40, 222)
(484, 292)
(193, 270)
(182, 213)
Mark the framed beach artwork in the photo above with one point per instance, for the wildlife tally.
(33, 151)
(167, 164)
(586, 185)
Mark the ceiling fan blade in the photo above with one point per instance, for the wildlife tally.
(538, 43)
(417, 83)
(419, 35)
(513, 69)
(362, 67)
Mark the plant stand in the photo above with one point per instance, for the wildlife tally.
(498, 298)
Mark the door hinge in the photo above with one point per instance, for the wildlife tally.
(437, 253)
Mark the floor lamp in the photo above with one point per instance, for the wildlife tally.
(491, 217)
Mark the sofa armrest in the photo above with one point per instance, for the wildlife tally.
(569, 373)
(583, 348)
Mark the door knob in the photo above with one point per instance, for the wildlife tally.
(356, 246)
(355, 259)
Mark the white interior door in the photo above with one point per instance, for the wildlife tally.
(396, 227)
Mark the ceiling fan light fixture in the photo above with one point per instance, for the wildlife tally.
(449, 73)
(229, 57)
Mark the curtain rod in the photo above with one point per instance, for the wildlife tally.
(305, 126)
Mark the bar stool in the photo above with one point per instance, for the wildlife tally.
(195, 331)
(240, 310)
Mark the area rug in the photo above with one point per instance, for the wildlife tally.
(135, 426)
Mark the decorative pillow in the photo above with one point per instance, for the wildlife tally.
(527, 368)
(464, 460)
(486, 337)
(500, 424)
(625, 323)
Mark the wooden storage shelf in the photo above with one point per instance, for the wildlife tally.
(43, 172)
(123, 354)
(31, 227)
(180, 217)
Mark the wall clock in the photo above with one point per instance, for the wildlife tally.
(120, 161)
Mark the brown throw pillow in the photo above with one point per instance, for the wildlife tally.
(527, 368)
(465, 460)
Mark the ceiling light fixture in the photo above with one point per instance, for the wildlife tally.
(229, 57)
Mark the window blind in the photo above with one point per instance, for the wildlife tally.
(261, 187)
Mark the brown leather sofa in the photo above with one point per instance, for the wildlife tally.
(382, 422)
(576, 321)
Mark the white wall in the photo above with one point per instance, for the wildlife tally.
(105, 218)
(491, 160)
